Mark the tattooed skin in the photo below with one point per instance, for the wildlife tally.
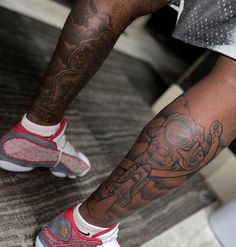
(88, 36)
(83, 46)
(171, 148)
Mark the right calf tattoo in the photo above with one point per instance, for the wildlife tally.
(170, 149)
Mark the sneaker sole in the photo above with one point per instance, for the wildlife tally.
(8, 166)
(13, 167)
(38, 243)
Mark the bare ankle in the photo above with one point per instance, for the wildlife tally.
(83, 210)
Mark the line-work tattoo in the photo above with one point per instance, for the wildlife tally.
(171, 148)
(83, 46)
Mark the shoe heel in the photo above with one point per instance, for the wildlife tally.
(63, 175)
(13, 167)
(38, 243)
(58, 174)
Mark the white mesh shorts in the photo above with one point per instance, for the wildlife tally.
(207, 23)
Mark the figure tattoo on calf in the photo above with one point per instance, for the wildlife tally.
(82, 48)
(171, 148)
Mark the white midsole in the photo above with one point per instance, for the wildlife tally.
(13, 167)
(38, 243)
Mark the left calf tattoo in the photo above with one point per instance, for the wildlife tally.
(86, 40)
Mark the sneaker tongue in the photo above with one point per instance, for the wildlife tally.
(60, 139)
(108, 236)
(59, 136)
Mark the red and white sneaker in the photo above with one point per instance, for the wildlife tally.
(22, 151)
(62, 232)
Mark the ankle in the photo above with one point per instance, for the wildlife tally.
(42, 121)
(96, 221)
(39, 129)
(83, 226)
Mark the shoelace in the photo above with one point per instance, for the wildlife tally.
(66, 147)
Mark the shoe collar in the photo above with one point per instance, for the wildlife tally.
(58, 135)
(107, 235)
(19, 128)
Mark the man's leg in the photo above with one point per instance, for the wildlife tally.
(178, 142)
(89, 34)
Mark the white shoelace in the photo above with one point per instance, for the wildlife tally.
(64, 146)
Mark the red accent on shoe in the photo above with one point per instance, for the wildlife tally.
(20, 149)
(104, 231)
(20, 129)
(62, 127)
(68, 214)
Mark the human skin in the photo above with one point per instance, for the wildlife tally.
(88, 36)
(178, 142)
